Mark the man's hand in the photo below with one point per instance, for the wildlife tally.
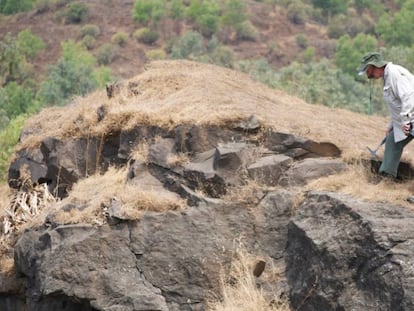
(407, 127)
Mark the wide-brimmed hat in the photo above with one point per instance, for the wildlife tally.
(373, 58)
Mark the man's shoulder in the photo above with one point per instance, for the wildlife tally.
(394, 69)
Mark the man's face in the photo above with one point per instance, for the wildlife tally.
(374, 72)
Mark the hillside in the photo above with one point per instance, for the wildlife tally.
(277, 40)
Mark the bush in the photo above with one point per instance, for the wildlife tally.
(296, 12)
(302, 41)
(349, 51)
(29, 44)
(190, 45)
(9, 137)
(224, 56)
(398, 29)
(146, 35)
(120, 38)
(72, 75)
(76, 13)
(88, 42)
(14, 53)
(90, 30)
(9, 7)
(15, 99)
(145, 11)
(246, 31)
(156, 54)
(106, 54)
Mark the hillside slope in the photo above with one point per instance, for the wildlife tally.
(277, 35)
(171, 93)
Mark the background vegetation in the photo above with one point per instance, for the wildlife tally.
(207, 30)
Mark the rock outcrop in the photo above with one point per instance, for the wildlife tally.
(244, 184)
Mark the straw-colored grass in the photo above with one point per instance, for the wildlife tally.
(239, 288)
(359, 182)
(169, 93)
(96, 192)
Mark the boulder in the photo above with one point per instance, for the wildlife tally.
(346, 254)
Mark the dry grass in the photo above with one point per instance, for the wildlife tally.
(240, 291)
(96, 192)
(169, 93)
(359, 182)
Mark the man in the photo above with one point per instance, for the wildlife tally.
(398, 92)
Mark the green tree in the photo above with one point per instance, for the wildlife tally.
(349, 51)
(15, 99)
(74, 74)
(331, 7)
(14, 56)
(15, 6)
(189, 46)
(8, 140)
(29, 44)
(323, 83)
(147, 12)
(206, 16)
(398, 29)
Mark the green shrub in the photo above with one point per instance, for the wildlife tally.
(296, 12)
(14, 6)
(75, 13)
(72, 75)
(9, 137)
(146, 35)
(90, 30)
(88, 42)
(102, 76)
(208, 24)
(309, 54)
(247, 31)
(205, 15)
(234, 13)
(106, 54)
(302, 41)
(331, 7)
(29, 44)
(14, 55)
(15, 99)
(156, 54)
(224, 56)
(145, 11)
(176, 10)
(190, 45)
(349, 51)
(399, 28)
(120, 38)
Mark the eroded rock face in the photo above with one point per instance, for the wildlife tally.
(168, 261)
(343, 254)
(339, 253)
(218, 157)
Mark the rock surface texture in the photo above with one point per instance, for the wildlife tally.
(334, 252)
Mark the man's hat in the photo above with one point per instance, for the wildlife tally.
(373, 58)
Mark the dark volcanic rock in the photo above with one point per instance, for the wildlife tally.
(344, 254)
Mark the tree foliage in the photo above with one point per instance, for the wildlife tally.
(349, 51)
(8, 140)
(74, 74)
(399, 28)
(147, 12)
(15, 6)
(15, 54)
